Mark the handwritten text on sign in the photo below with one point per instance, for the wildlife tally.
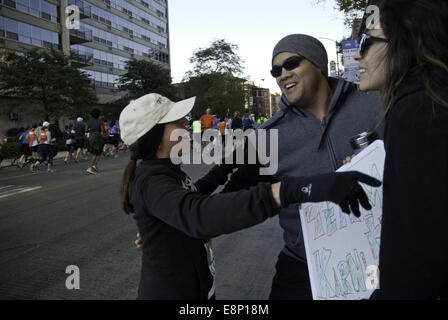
(342, 250)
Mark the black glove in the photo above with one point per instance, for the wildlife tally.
(338, 187)
(245, 177)
(229, 161)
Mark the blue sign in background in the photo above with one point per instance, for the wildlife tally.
(351, 72)
(350, 44)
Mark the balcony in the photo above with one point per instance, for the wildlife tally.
(84, 9)
(80, 59)
(80, 36)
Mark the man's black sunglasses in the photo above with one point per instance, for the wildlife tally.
(366, 41)
(290, 64)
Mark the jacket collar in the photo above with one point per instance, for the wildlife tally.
(408, 87)
(338, 86)
(164, 162)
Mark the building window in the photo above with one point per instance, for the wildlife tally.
(55, 39)
(45, 13)
(38, 8)
(47, 38)
(2, 28)
(35, 7)
(12, 29)
(10, 3)
(54, 13)
(23, 5)
(35, 36)
(24, 32)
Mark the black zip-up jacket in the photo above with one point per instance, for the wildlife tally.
(174, 222)
(414, 242)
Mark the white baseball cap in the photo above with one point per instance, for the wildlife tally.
(143, 114)
(45, 124)
(79, 119)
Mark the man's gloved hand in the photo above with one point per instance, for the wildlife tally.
(339, 187)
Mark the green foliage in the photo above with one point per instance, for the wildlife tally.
(223, 93)
(46, 76)
(214, 79)
(348, 6)
(144, 77)
(10, 148)
(220, 57)
(113, 109)
(353, 9)
(12, 132)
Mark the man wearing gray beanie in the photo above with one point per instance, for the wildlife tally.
(300, 66)
(306, 46)
(318, 116)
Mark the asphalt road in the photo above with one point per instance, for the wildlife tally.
(51, 221)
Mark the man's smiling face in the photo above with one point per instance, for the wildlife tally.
(298, 84)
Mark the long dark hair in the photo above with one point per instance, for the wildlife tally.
(144, 149)
(418, 35)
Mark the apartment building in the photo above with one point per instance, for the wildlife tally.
(110, 33)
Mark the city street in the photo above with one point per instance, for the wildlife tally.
(51, 221)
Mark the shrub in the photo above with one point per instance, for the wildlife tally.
(12, 132)
(9, 149)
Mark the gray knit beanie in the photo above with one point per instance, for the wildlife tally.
(306, 46)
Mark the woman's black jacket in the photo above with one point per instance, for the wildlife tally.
(174, 222)
(414, 236)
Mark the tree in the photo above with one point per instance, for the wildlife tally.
(347, 6)
(220, 57)
(353, 9)
(113, 109)
(143, 77)
(215, 79)
(222, 92)
(46, 76)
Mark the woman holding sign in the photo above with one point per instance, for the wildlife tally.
(406, 58)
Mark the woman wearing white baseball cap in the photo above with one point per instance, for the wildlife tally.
(176, 218)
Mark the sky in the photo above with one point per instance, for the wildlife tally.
(254, 25)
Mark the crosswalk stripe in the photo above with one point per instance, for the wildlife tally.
(15, 190)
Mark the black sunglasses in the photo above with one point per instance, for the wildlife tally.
(290, 64)
(366, 41)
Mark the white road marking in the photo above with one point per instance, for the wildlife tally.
(7, 191)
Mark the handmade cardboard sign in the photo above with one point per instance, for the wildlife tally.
(342, 250)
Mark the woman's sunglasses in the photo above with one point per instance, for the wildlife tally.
(290, 64)
(366, 41)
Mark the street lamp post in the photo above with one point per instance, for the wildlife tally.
(337, 53)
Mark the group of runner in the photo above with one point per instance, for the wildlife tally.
(38, 144)
(224, 124)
